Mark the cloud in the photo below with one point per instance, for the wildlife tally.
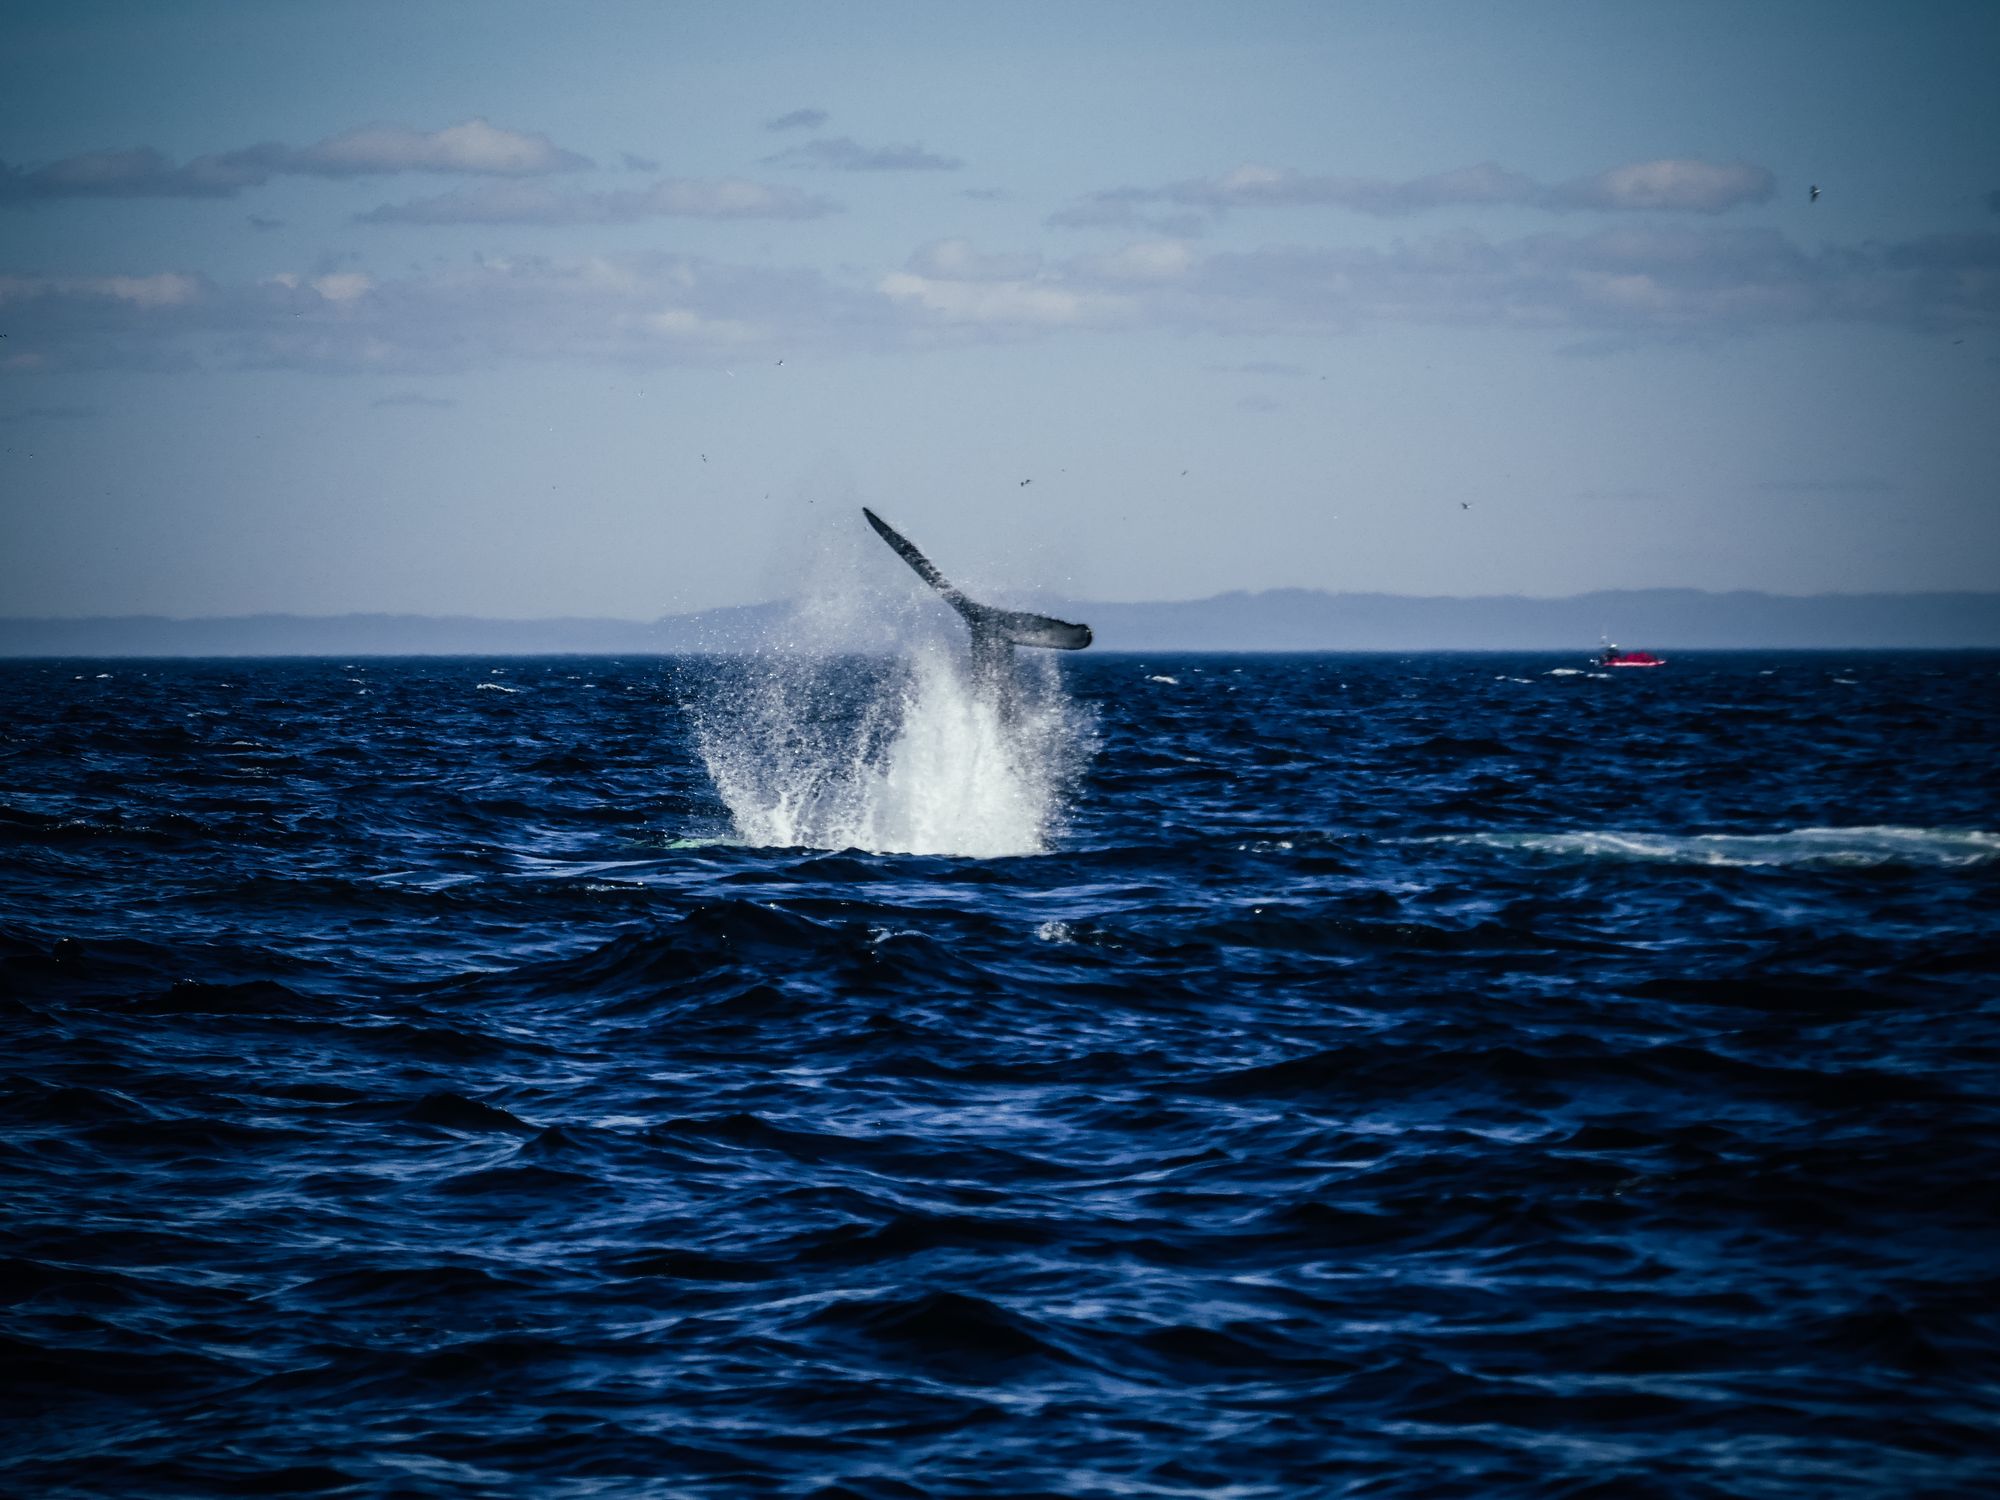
(147, 322)
(799, 119)
(162, 289)
(671, 197)
(648, 310)
(1671, 185)
(1158, 261)
(1123, 209)
(1636, 284)
(949, 284)
(956, 260)
(1677, 186)
(1002, 304)
(342, 286)
(1619, 287)
(140, 172)
(842, 154)
(472, 147)
(1255, 186)
(414, 398)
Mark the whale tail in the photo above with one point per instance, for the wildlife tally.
(992, 629)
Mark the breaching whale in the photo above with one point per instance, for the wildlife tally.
(995, 632)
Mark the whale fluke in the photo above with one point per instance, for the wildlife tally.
(990, 627)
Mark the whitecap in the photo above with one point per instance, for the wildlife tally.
(1857, 847)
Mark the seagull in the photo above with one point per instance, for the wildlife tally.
(1815, 194)
(1465, 505)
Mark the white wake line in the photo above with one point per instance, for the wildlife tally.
(1877, 844)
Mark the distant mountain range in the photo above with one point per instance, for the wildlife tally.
(1274, 620)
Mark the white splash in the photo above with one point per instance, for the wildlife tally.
(861, 728)
(1852, 847)
(897, 757)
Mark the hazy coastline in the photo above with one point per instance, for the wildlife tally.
(1274, 620)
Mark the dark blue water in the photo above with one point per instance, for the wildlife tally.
(1398, 1078)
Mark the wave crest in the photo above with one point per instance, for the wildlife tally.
(1857, 847)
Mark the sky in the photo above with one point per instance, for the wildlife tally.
(623, 310)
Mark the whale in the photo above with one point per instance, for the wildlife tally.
(995, 632)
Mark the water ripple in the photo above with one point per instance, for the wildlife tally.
(1266, 1076)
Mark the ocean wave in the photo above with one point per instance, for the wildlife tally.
(1857, 847)
(1361, 1079)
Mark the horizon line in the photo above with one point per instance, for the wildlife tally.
(1237, 593)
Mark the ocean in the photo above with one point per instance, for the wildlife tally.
(1454, 1075)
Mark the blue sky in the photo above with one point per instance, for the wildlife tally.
(601, 309)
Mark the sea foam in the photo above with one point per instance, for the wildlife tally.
(1859, 846)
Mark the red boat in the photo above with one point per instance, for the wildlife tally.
(1611, 656)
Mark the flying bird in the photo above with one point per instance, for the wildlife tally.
(1465, 505)
(1814, 190)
